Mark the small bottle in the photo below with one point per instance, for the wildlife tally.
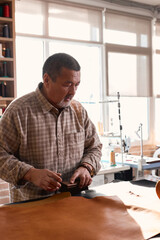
(112, 158)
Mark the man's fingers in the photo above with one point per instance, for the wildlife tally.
(82, 182)
(85, 181)
(46, 179)
(59, 174)
(50, 186)
(74, 176)
(55, 176)
(83, 175)
(52, 183)
(90, 181)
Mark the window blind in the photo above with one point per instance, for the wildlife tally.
(74, 22)
(128, 54)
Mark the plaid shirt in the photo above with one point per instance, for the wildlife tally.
(34, 133)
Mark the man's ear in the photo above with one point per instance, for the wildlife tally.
(46, 79)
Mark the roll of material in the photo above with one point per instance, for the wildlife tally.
(7, 53)
(158, 189)
(112, 159)
(3, 89)
(1, 11)
(6, 31)
(6, 10)
(5, 69)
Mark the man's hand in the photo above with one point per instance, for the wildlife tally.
(84, 176)
(46, 179)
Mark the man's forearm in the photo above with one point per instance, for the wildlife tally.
(12, 170)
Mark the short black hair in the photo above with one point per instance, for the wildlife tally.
(56, 62)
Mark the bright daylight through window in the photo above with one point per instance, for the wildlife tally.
(79, 32)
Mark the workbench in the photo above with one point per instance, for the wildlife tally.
(131, 161)
(107, 173)
(141, 206)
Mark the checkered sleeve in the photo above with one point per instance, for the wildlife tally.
(12, 169)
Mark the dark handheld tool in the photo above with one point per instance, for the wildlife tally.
(73, 188)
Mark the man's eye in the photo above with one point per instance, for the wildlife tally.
(67, 85)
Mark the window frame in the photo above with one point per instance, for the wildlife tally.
(106, 47)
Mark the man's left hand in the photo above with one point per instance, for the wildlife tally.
(84, 176)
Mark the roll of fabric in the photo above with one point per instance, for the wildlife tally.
(6, 31)
(6, 10)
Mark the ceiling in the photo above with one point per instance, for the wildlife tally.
(150, 2)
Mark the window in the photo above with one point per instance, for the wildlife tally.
(157, 60)
(156, 86)
(128, 74)
(131, 58)
(128, 53)
(30, 17)
(60, 28)
(127, 30)
(157, 73)
(74, 23)
(104, 42)
(29, 64)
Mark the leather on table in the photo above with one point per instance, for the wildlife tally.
(142, 204)
(78, 218)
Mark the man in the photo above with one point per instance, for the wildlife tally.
(46, 137)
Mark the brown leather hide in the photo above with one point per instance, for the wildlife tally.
(77, 218)
(142, 204)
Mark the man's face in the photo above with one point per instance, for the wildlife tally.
(61, 92)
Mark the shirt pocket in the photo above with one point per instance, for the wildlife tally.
(75, 144)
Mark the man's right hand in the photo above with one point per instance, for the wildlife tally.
(44, 178)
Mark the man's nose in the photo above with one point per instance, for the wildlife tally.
(72, 90)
